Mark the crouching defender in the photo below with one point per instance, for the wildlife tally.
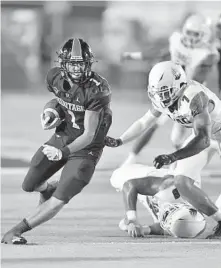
(171, 214)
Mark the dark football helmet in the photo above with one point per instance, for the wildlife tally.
(75, 59)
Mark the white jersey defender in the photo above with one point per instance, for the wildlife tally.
(184, 113)
(191, 57)
(195, 50)
(175, 216)
(178, 101)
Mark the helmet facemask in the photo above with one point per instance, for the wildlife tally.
(75, 60)
(196, 31)
(165, 95)
(193, 38)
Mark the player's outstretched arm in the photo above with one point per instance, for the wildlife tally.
(202, 129)
(136, 129)
(201, 125)
(130, 193)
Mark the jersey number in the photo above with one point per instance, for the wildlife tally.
(74, 125)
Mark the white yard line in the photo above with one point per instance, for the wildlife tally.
(156, 242)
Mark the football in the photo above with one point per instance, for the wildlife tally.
(52, 115)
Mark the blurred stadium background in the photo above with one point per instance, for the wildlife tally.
(31, 33)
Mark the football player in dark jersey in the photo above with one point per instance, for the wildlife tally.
(83, 98)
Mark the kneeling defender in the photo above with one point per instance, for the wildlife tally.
(155, 189)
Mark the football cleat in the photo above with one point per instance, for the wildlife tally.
(10, 238)
(19, 240)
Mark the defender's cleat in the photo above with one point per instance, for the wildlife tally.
(217, 232)
(44, 196)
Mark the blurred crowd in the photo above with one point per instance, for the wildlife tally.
(33, 31)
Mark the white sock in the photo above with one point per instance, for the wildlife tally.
(42, 187)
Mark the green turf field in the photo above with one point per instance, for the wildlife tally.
(86, 231)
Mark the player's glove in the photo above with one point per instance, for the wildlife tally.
(164, 159)
(55, 154)
(135, 230)
(111, 142)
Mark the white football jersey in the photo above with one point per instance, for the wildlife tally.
(188, 57)
(168, 196)
(134, 171)
(184, 115)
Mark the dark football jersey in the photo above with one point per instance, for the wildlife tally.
(93, 95)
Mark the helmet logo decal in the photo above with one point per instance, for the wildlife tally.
(76, 52)
(161, 77)
(176, 74)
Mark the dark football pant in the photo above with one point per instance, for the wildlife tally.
(75, 176)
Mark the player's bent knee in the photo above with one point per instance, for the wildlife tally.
(28, 187)
(128, 186)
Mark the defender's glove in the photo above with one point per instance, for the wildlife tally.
(111, 142)
(135, 230)
(164, 159)
(55, 154)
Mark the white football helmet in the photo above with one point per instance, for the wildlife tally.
(182, 220)
(197, 30)
(166, 82)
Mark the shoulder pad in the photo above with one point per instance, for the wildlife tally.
(52, 74)
(99, 93)
(99, 86)
(193, 89)
(198, 103)
(196, 96)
